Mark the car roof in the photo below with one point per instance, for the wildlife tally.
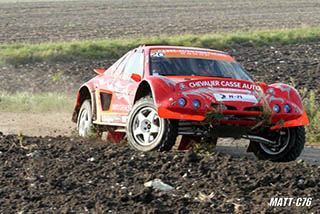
(158, 46)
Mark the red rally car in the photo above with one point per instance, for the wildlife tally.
(155, 93)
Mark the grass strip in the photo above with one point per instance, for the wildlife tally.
(36, 102)
(312, 106)
(16, 54)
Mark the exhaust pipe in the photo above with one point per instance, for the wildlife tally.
(259, 140)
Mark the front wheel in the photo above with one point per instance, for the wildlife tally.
(146, 131)
(290, 143)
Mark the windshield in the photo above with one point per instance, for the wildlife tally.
(195, 64)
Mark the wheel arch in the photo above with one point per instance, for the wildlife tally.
(143, 90)
(83, 94)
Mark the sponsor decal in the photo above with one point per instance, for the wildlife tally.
(286, 201)
(199, 84)
(121, 107)
(224, 83)
(221, 97)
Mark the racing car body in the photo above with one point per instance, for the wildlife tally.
(155, 93)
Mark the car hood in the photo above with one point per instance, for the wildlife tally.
(237, 96)
(232, 91)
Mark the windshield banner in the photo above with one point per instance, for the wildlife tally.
(184, 53)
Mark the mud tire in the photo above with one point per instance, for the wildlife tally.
(84, 120)
(163, 140)
(291, 151)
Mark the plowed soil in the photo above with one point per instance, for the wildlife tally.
(40, 21)
(299, 63)
(71, 175)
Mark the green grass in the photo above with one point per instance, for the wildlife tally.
(312, 107)
(16, 54)
(36, 102)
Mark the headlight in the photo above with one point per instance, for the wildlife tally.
(182, 102)
(196, 103)
(276, 108)
(286, 108)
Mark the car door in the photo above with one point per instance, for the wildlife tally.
(121, 89)
(125, 86)
(104, 92)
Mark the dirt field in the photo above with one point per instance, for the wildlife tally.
(74, 20)
(63, 175)
(57, 174)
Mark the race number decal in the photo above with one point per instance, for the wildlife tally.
(157, 54)
(221, 97)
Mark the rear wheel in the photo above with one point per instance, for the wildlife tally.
(84, 122)
(290, 143)
(146, 131)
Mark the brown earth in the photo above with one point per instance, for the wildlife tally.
(37, 124)
(73, 175)
(77, 20)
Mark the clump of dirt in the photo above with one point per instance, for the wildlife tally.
(73, 175)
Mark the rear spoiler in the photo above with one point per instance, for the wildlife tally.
(99, 71)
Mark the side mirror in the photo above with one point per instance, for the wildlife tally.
(99, 71)
(136, 77)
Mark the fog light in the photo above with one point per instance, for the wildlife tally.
(287, 108)
(196, 103)
(182, 102)
(276, 108)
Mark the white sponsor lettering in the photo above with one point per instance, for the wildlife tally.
(223, 83)
(230, 84)
(221, 97)
(121, 107)
(251, 87)
(199, 84)
(157, 54)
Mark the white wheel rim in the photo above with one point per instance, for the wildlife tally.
(84, 123)
(283, 140)
(146, 126)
